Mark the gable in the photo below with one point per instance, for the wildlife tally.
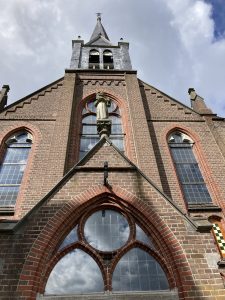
(104, 151)
(100, 40)
(88, 175)
(164, 107)
(40, 104)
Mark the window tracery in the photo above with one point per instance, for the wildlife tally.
(106, 250)
(13, 166)
(89, 134)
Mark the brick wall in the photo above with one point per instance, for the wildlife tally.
(53, 117)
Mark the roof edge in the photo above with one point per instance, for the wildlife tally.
(181, 103)
(32, 94)
(77, 167)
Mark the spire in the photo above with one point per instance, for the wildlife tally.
(99, 30)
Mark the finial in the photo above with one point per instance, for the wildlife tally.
(192, 93)
(121, 39)
(4, 96)
(98, 16)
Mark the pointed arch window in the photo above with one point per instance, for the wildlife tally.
(94, 251)
(189, 174)
(89, 134)
(108, 60)
(94, 59)
(12, 167)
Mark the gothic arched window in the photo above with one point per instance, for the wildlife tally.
(108, 60)
(94, 257)
(193, 186)
(12, 167)
(89, 135)
(94, 59)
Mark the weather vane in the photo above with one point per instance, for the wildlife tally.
(98, 16)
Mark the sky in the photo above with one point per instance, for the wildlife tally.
(174, 44)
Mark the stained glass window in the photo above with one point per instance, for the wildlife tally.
(70, 238)
(138, 271)
(194, 188)
(93, 247)
(106, 230)
(76, 272)
(13, 166)
(89, 135)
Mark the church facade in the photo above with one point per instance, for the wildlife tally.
(110, 188)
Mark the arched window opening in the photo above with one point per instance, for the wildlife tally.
(137, 270)
(94, 59)
(193, 186)
(108, 60)
(89, 134)
(76, 272)
(13, 166)
(103, 235)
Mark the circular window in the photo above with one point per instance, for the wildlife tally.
(106, 230)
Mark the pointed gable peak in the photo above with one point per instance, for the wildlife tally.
(99, 30)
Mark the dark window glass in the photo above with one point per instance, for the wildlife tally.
(106, 230)
(196, 193)
(76, 272)
(13, 166)
(189, 174)
(138, 271)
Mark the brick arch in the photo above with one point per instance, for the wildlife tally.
(159, 258)
(4, 135)
(201, 158)
(124, 112)
(44, 246)
(10, 130)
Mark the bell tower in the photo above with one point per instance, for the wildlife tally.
(99, 53)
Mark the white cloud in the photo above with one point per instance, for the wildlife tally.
(76, 272)
(171, 43)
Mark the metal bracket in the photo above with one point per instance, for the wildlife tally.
(106, 175)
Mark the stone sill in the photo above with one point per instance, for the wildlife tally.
(221, 263)
(203, 207)
(119, 71)
(7, 226)
(7, 211)
(154, 295)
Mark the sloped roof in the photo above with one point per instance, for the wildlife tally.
(99, 40)
(81, 164)
(99, 32)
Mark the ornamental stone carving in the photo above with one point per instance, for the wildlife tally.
(103, 122)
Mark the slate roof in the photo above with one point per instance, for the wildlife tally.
(99, 31)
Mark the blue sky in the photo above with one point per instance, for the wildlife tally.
(218, 15)
(174, 44)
